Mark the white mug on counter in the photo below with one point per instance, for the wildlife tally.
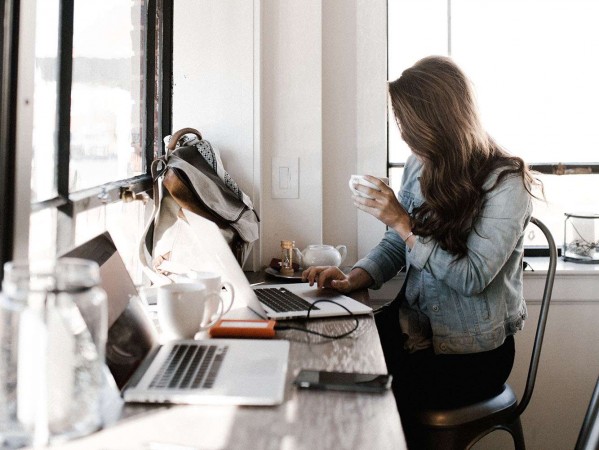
(187, 308)
(217, 286)
(359, 179)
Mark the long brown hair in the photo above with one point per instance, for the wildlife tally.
(436, 112)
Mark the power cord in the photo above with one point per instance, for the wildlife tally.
(317, 333)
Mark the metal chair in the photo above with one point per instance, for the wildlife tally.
(461, 428)
(588, 438)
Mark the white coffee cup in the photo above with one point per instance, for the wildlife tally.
(216, 286)
(186, 308)
(359, 179)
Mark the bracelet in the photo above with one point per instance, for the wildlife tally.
(410, 234)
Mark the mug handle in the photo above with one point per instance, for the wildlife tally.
(342, 251)
(229, 288)
(218, 315)
(298, 257)
(352, 182)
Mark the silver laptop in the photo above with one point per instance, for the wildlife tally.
(216, 256)
(212, 371)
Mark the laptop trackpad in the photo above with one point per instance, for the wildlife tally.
(257, 368)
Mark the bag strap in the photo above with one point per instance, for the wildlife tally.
(212, 157)
(145, 256)
(172, 144)
(157, 169)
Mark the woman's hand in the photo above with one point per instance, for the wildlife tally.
(333, 277)
(327, 277)
(383, 205)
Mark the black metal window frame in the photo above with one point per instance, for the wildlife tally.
(559, 168)
(9, 16)
(158, 75)
(157, 115)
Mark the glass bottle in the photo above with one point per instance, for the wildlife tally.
(53, 326)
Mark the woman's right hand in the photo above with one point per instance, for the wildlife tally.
(383, 205)
(327, 277)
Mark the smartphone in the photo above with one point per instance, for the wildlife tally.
(343, 381)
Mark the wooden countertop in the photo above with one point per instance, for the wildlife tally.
(306, 420)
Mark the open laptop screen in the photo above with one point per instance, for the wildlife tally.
(131, 333)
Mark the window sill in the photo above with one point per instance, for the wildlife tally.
(563, 268)
(573, 282)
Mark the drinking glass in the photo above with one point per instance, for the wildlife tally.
(53, 326)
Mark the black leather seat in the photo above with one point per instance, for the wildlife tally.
(461, 428)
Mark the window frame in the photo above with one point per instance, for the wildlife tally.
(558, 168)
(157, 74)
(157, 122)
(548, 168)
(9, 43)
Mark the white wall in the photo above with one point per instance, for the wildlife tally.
(291, 125)
(569, 362)
(568, 370)
(214, 78)
(215, 82)
(354, 67)
(323, 101)
(294, 79)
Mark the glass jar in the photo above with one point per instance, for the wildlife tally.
(53, 326)
(581, 238)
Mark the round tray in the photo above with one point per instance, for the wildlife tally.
(297, 275)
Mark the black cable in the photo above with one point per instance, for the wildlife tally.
(317, 333)
(378, 310)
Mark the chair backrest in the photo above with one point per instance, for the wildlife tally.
(588, 438)
(538, 343)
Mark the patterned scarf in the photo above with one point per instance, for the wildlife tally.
(212, 157)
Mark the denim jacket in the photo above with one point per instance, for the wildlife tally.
(472, 304)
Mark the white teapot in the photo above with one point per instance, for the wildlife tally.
(322, 255)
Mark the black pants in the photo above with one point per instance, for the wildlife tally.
(423, 380)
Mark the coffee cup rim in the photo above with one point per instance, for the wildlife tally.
(183, 287)
(361, 177)
(205, 273)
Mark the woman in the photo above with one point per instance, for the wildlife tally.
(458, 226)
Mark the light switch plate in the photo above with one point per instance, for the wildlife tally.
(285, 177)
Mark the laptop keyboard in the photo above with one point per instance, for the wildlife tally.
(282, 300)
(190, 366)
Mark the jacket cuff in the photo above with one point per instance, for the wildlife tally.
(420, 252)
(373, 270)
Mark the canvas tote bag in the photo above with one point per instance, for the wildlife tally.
(191, 177)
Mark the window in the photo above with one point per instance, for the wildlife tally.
(8, 79)
(101, 102)
(107, 85)
(531, 65)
